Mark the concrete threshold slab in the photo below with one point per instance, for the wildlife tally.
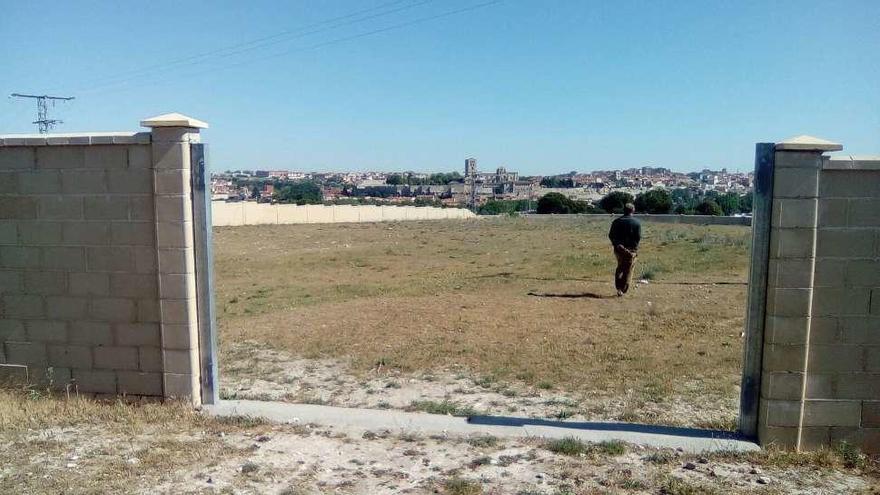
(356, 421)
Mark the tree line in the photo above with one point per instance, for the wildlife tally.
(655, 201)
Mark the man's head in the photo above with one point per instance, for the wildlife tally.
(629, 209)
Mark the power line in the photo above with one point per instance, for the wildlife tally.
(329, 42)
(44, 123)
(231, 50)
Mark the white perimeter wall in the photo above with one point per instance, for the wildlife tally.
(247, 213)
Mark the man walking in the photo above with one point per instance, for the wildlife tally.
(625, 234)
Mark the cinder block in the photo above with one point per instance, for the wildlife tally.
(180, 386)
(858, 386)
(865, 212)
(23, 306)
(788, 302)
(788, 386)
(64, 258)
(39, 233)
(798, 159)
(777, 436)
(11, 282)
(17, 158)
(830, 272)
(84, 182)
(832, 413)
(60, 208)
(782, 412)
(28, 353)
(848, 184)
(875, 302)
(174, 235)
(780, 357)
(131, 181)
(173, 181)
(39, 182)
(177, 311)
(95, 381)
(179, 336)
(89, 284)
(786, 329)
(113, 309)
(872, 358)
(170, 155)
(105, 207)
(150, 358)
(176, 260)
(86, 233)
(839, 358)
(140, 156)
(138, 383)
(116, 358)
(45, 283)
(18, 208)
(832, 212)
(90, 332)
(46, 331)
(148, 310)
(863, 273)
(70, 356)
(174, 208)
(829, 301)
(106, 157)
(11, 330)
(789, 273)
(815, 437)
(137, 334)
(66, 308)
(871, 414)
(845, 243)
(791, 243)
(145, 259)
(8, 233)
(53, 157)
(178, 286)
(141, 208)
(824, 330)
(8, 182)
(110, 259)
(133, 285)
(132, 234)
(20, 257)
(796, 183)
(860, 329)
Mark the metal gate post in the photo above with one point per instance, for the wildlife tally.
(204, 261)
(753, 347)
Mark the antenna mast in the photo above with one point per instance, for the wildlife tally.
(44, 123)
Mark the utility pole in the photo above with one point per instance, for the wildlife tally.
(44, 123)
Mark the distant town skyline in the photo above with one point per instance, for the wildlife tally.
(539, 87)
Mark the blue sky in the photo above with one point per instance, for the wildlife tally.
(538, 86)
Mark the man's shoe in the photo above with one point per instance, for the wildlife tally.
(620, 293)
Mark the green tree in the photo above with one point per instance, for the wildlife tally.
(656, 201)
(395, 180)
(613, 202)
(301, 193)
(709, 207)
(255, 192)
(729, 203)
(555, 203)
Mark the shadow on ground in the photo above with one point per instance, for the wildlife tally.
(605, 426)
(578, 295)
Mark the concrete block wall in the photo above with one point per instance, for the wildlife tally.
(96, 256)
(248, 213)
(820, 383)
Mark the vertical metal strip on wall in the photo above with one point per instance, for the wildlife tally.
(753, 347)
(204, 261)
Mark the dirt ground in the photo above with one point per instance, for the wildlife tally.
(509, 315)
(56, 445)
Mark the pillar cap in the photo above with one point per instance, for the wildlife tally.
(174, 120)
(807, 143)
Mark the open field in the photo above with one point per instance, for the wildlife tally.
(54, 445)
(501, 315)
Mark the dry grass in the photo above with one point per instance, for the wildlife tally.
(53, 444)
(524, 299)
